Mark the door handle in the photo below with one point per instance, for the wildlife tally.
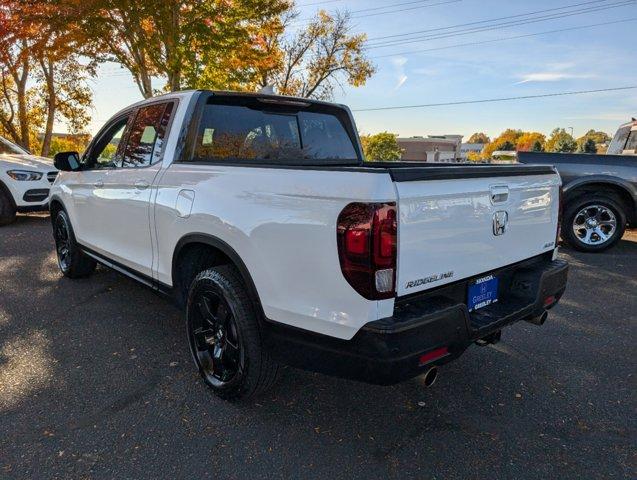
(98, 184)
(141, 185)
(499, 194)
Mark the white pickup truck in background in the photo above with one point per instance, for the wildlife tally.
(260, 215)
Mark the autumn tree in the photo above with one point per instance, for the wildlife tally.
(16, 100)
(528, 141)
(479, 137)
(46, 81)
(507, 140)
(560, 141)
(317, 58)
(381, 147)
(186, 43)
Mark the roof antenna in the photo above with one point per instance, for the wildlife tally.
(267, 90)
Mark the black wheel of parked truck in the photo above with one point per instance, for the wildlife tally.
(72, 261)
(224, 336)
(7, 208)
(593, 223)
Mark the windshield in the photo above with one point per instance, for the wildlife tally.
(246, 130)
(6, 147)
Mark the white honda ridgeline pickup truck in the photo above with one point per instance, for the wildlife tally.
(261, 216)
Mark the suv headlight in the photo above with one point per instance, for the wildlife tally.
(24, 175)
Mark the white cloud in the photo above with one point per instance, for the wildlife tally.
(549, 77)
(399, 66)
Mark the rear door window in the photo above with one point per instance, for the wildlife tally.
(147, 135)
(243, 130)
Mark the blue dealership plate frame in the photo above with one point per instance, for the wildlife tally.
(482, 292)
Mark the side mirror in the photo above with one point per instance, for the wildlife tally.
(67, 161)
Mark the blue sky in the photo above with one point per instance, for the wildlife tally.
(578, 59)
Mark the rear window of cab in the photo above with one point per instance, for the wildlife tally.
(250, 130)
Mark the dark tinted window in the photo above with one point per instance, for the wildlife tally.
(109, 149)
(631, 145)
(10, 148)
(273, 134)
(146, 137)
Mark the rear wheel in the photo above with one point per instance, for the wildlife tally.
(72, 261)
(593, 224)
(7, 208)
(224, 336)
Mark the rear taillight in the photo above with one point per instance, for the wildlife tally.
(366, 236)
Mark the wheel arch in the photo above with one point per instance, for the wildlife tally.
(210, 251)
(55, 205)
(621, 189)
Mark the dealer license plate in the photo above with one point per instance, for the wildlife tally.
(482, 292)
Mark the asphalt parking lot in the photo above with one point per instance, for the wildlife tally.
(96, 382)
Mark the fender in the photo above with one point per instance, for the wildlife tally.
(624, 185)
(227, 250)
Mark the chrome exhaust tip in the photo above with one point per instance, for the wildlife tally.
(429, 377)
(539, 320)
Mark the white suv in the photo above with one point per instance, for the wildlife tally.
(25, 181)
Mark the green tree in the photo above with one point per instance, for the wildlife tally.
(589, 146)
(598, 137)
(560, 141)
(381, 147)
(537, 146)
(479, 137)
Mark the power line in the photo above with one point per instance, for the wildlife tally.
(470, 44)
(384, 7)
(489, 100)
(498, 26)
(404, 9)
(487, 21)
(389, 9)
(318, 3)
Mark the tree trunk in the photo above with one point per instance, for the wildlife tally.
(21, 89)
(51, 105)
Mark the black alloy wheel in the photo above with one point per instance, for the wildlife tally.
(215, 339)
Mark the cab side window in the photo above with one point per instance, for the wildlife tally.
(147, 134)
(109, 149)
(631, 144)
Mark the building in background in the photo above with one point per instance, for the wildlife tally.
(467, 148)
(433, 148)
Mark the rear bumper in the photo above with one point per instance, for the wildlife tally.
(390, 350)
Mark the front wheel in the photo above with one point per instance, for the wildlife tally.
(224, 336)
(72, 261)
(7, 208)
(593, 224)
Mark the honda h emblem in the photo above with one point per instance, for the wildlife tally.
(500, 221)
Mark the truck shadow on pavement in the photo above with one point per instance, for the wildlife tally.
(96, 380)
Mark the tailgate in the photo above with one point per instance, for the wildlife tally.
(459, 222)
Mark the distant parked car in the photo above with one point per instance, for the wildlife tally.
(25, 180)
(600, 191)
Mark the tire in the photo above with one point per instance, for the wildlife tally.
(72, 261)
(7, 208)
(225, 337)
(607, 223)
